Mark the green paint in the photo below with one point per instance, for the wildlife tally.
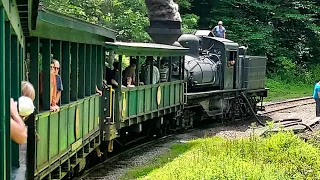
(81, 119)
(93, 69)
(6, 98)
(43, 143)
(12, 14)
(91, 115)
(15, 90)
(65, 73)
(82, 68)
(15, 65)
(34, 74)
(86, 117)
(99, 67)
(63, 130)
(97, 112)
(46, 61)
(74, 71)
(71, 123)
(61, 27)
(145, 49)
(4, 111)
(88, 69)
(53, 134)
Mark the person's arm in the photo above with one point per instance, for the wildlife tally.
(59, 88)
(18, 130)
(58, 96)
(114, 82)
(224, 35)
(98, 91)
(319, 94)
(134, 77)
(53, 94)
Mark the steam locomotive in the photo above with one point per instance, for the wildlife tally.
(223, 82)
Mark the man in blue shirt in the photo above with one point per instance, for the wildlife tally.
(316, 96)
(219, 31)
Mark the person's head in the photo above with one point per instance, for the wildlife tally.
(27, 90)
(115, 66)
(133, 62)
(56, 66)
(129, 80)
(317, 81)
(220, 23)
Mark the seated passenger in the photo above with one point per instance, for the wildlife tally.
(130, 72)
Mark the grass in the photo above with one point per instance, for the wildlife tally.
(165, 158)
(279, 90)
(278, 156)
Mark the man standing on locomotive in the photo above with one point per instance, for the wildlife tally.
(316, 96)
(219, 31)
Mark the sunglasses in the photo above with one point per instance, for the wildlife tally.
(56, 68)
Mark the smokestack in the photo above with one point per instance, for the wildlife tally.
(165, 21)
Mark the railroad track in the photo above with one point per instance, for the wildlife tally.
(288, 104)
(125, 153)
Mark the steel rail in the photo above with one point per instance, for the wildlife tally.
(288, 107)
(288, 101)
(122, 154)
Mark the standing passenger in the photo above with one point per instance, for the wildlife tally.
(53, 89)
(316, 96)
(130, 72)
(219, 31)
(56, 68)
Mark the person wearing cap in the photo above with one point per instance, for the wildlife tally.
(219, 31)
(316, 96)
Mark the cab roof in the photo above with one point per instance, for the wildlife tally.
(145, 49)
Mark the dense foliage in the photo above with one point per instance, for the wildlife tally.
(279, 156)
(286, 31)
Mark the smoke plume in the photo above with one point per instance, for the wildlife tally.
(162, 10)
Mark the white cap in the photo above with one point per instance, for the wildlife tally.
(220, 22)
(25, 105)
